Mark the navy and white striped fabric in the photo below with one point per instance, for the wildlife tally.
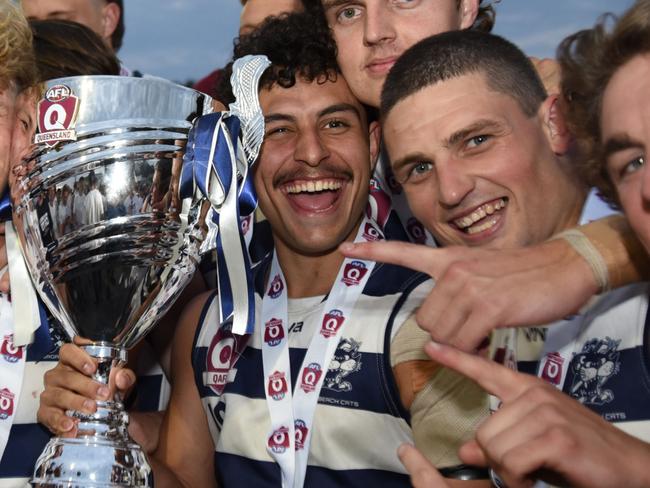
(359, 420)
(28, 438)
(609, 371)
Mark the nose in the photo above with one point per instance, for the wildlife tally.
(310, 148)
(454, 184)
(379, 25)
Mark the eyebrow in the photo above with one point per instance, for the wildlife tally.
(332, 109)
(478, 126)
(340, 107)
(56, 13)
(279, 118)
(619, 142)
(328, 4)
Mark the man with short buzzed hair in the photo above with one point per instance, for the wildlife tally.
(483, 156)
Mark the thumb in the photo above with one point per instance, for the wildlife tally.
(124, 379)
(423, 473)
(471, 453)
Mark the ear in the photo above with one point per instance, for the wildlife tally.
(468, 11)
(374, 134)
(111, 13)
(554, 124)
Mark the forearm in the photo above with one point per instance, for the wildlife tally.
(144, 428)
(163, 476)
(625, 257)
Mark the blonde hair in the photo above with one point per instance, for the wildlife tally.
(17, 66)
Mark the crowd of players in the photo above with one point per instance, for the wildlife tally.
(399, 117)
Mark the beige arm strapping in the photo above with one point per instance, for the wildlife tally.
(613, 251)
(446, 408)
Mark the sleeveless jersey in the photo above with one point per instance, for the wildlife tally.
(359, 421)
(607, 367)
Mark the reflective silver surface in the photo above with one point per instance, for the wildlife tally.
(107, 239)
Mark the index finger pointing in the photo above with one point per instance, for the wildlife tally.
(414, 256)
(492, 377)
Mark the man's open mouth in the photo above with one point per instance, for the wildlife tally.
(481, 218)
(314, 195)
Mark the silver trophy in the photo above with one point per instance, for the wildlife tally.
(108, 241)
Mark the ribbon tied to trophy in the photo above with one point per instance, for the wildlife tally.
(221, 149)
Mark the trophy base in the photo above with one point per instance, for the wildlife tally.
(103, 455)
(91, 462)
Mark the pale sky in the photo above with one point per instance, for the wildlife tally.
(186, 39)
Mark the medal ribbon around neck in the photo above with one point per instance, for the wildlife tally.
(221, 147)
(292, 414)
(12, 368)
(559, 347)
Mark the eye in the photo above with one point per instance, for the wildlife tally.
(632, 166)
(348, 14)
(418, 171)
(477, 141)
(273, 131)
(336, 124)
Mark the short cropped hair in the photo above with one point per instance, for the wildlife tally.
(297, 44)
(589, 59)
(66, 48)
(118, 33)
(16, 54)
(450, 55)
(484, 19)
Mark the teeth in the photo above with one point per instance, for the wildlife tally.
(479, 214)
(480, 228)
(314, 186)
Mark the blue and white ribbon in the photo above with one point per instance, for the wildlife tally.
(220, 149)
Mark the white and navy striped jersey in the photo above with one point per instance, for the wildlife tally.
(359, 420)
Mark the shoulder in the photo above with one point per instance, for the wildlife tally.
(389, 279)
(189, 322)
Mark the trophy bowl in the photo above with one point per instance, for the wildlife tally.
(108, 241)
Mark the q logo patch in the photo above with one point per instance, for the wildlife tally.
(354, 273)
(332, 322)
(57, 115)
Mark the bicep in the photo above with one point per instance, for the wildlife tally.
(186, 446)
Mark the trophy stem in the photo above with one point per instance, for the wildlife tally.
(102, 454)
(110, 420)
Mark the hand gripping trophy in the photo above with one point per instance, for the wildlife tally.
(137, 224)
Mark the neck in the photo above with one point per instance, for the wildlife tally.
(575, 201)
(310, 275)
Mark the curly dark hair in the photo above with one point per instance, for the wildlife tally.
(588, 60)
(297, 44)
(484, 19)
